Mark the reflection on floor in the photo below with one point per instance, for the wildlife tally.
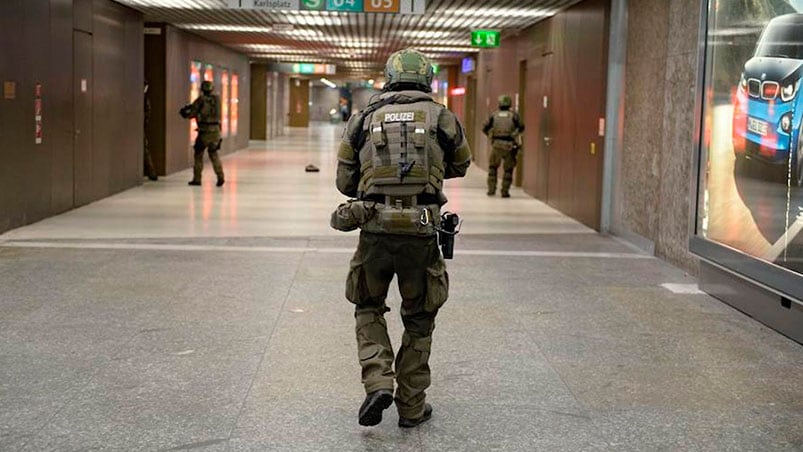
(174, 318)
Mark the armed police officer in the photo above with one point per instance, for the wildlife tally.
(503, 127)
(393, 159)
(206, 110)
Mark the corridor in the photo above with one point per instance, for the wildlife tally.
(170, 317)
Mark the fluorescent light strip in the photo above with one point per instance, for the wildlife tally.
(328, 83)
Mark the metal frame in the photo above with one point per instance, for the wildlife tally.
(773, 278)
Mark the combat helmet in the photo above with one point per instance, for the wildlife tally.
(505, 102)
(207, 87)
(409, 67)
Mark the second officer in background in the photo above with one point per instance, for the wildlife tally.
(206, 110)
(503, 127)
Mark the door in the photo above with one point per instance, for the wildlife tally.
(521, 107)
(471, 114)
(538, 133)
(299, 103)
(82, 118)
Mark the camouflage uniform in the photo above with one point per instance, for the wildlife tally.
(206, 110)
(504, 127)
(413, 257)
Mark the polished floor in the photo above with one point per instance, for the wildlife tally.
(177, 318)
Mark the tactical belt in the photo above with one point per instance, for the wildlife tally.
(504, 138)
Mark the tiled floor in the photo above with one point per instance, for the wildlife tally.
(176, 318)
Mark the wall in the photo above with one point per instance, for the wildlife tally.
(549, 70)
(655, 174)
(39, 180)
(172, 151)
(323, 100)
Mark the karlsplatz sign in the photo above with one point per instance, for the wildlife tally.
(417, 7)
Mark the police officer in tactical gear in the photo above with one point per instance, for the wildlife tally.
(206, 110)
(503, 127)
(393, 159)
(147, 162)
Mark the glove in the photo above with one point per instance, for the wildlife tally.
(185, 111)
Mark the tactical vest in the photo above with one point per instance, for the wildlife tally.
(401, 156)
(210, 111)
(503, 124)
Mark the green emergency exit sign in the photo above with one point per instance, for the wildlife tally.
(485, 38)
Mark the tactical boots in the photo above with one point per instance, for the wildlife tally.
(220, 182)
(410, 423)
(194, 182)
(373, 406)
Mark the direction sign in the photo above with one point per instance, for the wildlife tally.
(485, 38)
(312, 5)
(354, 6)
(382, 6)
(269, 5)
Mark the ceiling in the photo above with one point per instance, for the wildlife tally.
(358, 43)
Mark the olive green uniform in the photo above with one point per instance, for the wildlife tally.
(206, 110)
(503, 128)
(414, 259)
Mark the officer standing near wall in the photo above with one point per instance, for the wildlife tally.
(503, 127)
(206, 110)
(147, 162)
(393, 159)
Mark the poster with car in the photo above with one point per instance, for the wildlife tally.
(752, 183)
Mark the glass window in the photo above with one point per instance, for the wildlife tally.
(224, 103)
(751, 198)
(235, 103)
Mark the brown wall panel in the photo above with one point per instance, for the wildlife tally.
(60, 118)
(259, 102)
(38, 180)
(155, 74)
(181, 49)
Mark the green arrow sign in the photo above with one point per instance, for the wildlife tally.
(485, 38)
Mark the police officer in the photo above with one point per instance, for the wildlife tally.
(206, 110)
(147, 163)
(503, 127)
(394, 157)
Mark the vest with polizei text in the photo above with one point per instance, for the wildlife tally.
(401, 156)
(503, 124)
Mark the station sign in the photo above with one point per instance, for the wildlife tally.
(485, 38)
(350, 6)
(303, 68)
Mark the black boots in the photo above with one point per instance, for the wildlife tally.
(410, 423)
(194, 182)
(220, 182)
(373, 406)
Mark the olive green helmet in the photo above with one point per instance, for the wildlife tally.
(207, 87)
(409, 67)
(505, 101)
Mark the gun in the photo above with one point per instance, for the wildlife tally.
(447, 232)
(185, 111)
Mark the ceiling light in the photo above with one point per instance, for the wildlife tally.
(232, 28)
(328, 83)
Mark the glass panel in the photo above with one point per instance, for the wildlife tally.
(224, 103)
(752, 145)
(235, 102)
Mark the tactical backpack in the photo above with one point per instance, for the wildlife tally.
(503, 124)
(401, 159)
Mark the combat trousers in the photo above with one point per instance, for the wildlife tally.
(202, 144)
(501, 155)
(423, 285)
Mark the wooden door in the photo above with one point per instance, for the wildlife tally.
(471, 115)
(537, 135)
(521, 107)
(82, 118)
(299, 103)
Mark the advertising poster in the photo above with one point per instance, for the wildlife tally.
(224, 103)
(195, 91)
(751, 198)
(235, 103)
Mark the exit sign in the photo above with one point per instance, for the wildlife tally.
(485, 38)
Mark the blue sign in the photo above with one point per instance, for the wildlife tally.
(469, 65)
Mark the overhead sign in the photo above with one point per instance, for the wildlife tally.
(485, 38)
(303, 68)
(468, 65)
(350, 6)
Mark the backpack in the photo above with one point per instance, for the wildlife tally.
(401, 156)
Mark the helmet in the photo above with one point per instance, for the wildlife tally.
(409, 67)
(207, 87)
(505, 101)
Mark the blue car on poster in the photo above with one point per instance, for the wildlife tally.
(768, 106)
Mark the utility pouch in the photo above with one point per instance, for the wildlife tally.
(351, 215)
(437, 286)
(411, 220)
(503, 145)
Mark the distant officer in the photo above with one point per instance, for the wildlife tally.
(147, 163)
(206, 110)
(503, 127)
(394, 157)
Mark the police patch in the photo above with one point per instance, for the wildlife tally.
(400, 117)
